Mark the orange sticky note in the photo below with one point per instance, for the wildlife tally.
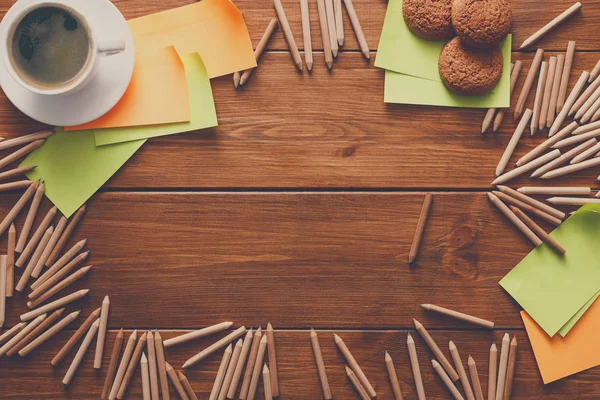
(558, 357)
(157, 94)
(215, 29)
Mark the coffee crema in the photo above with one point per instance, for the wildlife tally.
(50, 47)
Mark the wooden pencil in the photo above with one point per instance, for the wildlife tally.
(16, 172)
(532, 202)
(573, 201)
(502, 367)
(2, 290)
(127, 354)
(596, 116)
(36, 332)
(339, 26)
(563, 158)
(235, 356)
(75, 338)
(546, 158)
(549, 26)
(546, 144)
(112, 366)
(33, 261)
(266, 375)
(510, 373)
(287, 32)
(420, 229)
(389, 364)
(257, 367)
(478, 392)
(447, 381)
(586, 154)
(215, 346)
(250, 367)
(60, 227)
(533, 70)
(464, 380)
(102, 333)
(584, 97)
(145, 378)
(587, 104)
(354, 365)
(306, 35)
(591, 111)
(571, 168)
(55, 304)
(272, 352)
(436, 350)
(325, 34)
(539, 98)
(12, 214)
(570, 141)
(152, 368)
(135, 359)
(560, 62)
(416, 369)
(9, 334)
(35, 238)
(316, 346)
(329, 11)
(586, 128)
(80, 353)
(595, 72)
(558, 190)
(358, 31)
(59, 287)
(515, 220)
(32, 137)
(66, 261)
(31, 214)
(526, 207)
(512, 144)
(492, 371)
(10, 260)
(66, 235)
(560, 118)
(161, 365)
(56, 278)
(21, 334)
(198, 334)
(22, 152)
(260, 48)
(356, 384)
(544, 111)
(538, 230)
(6, 187)
(458, 315)
(44, 337)
(491, 112)
(237, 373)
(187, 386)
(175, 380)
(514, 76)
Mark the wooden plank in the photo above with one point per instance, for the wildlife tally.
(297, 371)
(328, 260)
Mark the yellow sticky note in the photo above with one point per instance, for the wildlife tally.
(157, 93)
(558, 357)
(215, 29)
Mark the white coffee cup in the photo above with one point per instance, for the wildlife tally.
(97, 50)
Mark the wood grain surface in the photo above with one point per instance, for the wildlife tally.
(299, 209)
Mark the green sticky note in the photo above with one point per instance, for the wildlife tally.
(202, 110)
(553, 288)
(73, 168)
(571, 323)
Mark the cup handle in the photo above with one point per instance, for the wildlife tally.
(110, 48)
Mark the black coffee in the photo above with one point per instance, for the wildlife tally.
(50, 46)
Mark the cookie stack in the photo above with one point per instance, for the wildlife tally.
(471, 61)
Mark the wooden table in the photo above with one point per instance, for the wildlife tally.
(300, 209)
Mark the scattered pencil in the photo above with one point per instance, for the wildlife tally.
(502, 367)
(54, 281)
(55, 304)
(12, 214)
(533, 70)
(416, 369)
(510, 373)
(58, 230)
(436, 350)
(197, 334)
(287, 32)
(592, 111)
(260, 48)
(272, 360)
(2, 290)
(101, 333)
(68, 261)
(527, 167)
(267, 383)
(573, 201)
(325, 33)
(560, 62)
(464, 380)
(356, 384)
(36, 332)
(586, 128)
(558, 190)
(354, 365)
(80, 353)
(528, 233)
(560, 118)
(59, 287)
(538, 230)
(256, 368)
(358, 31)
(6, 336)
(316, 346)
(563, 158)
(514, 76)
(32, 137)
(420, 229)
(571, 168)
(175, 380)
(16, 172)
(129, 349)
(145, 378)
(492, 371)
(458, 315)
(308, 55)
(389, 364)
(66, 235)
(532, 202)
(329, 11)
(339, 26)
(215, 346)
(31, 214)
(475, 378)
(544, 111)
(235, 355)
(256, 341)
(28, 272)
(583, 98)
(161, 365)
(514, 140)
(570, 141)
(447, 381)
(237, 373)
(112, 366)
(75, 338)
(6, 187)
(587, 109)
(21, 334)
(550, 25)
(546, 144)
(539, 98)
(22, 152)
(152, 368)
(133, 363)
(586, 154)
(10, 261)
(186, 386)
(491, 112)
(44, 337)
(526, 207)
(595, 72)
(33, 242)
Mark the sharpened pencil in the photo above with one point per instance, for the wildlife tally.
(520, 225)
(436, 350)
(358, 31)
(260, 48)
(316, 346)
(526, 89)
(306, 35)
(131, 367)
(502, 367)
(237, 373)
(287, 32)
(460, 316)
(538, 230)
(420, 229)
(478, 392)
(75, 338)
(357, 385)
(354, 365)
(415, 367)
(447, 381)
(214, 347)
(80, 353)
(325, 34)
(549, 26)
(389, 364)
(560, 118)
(112, 366)
(460, 368)
(510, 373)
(492, 371)
(222, 326)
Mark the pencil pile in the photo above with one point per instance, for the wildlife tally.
(331, 22)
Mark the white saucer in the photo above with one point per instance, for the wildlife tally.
(101, 94)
